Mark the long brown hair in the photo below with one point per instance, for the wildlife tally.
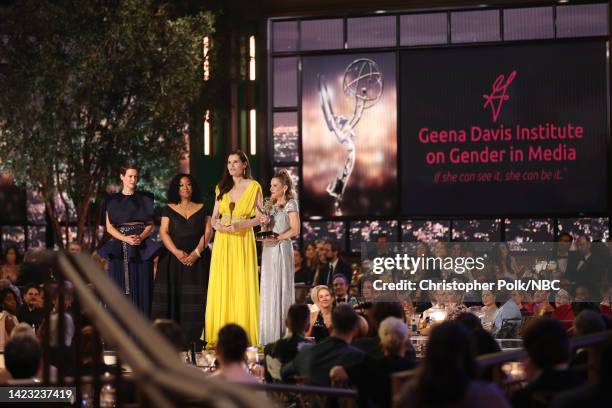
(227, 182)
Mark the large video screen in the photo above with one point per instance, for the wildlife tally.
(349, 135)
(512, 129)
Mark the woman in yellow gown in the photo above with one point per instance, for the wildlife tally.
(233, 286)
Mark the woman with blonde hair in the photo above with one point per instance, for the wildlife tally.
(321, 319)
(277, 288)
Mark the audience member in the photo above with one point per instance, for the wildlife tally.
(302, 273)
(31, 311)
(585, 269)
(297, 323)
(321, 319)
(380, 311)
(171, 332)
(321, 272)
(447, 376)
(8, 321)
(32, 271)
(587, 322)
(11, 260)
(563, 309)
(231, 352)
(335, 265)
(373, 376)
(341, 291)
(22, 358)
(314, 363)
(489, 308)
(547, 345)
(561, 255)
(504, 264)
(509, 313)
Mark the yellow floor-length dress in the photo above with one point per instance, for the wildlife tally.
(233, 286)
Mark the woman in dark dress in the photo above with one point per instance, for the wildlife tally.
(129, 221)
(182, 273)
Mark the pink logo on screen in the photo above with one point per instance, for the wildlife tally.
(498, 95)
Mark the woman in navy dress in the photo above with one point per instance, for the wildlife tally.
(182, 273)
(129, 221)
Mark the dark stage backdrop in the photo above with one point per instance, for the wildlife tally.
(371, 188)
(512, 129)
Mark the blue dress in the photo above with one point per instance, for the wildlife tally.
(131, 267)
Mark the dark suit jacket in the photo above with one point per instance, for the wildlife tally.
(304, 275)
(31, 317)
(589, 274)
(285, 349)
(325, 276)
(313, 363)
(541, 391)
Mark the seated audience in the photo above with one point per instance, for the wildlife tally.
(321, 319)
(547, 345)
(285, 349)
(31, 311)
(592, 395)
(341, 291)
(314, 363)
(22, 358)
(231, 353)
(8, 321)
(447, 376)
(373, 376)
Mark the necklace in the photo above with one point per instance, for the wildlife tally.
(184, 208)
(125, 193)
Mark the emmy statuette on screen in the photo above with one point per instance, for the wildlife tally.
(268, 210)
(362, 81)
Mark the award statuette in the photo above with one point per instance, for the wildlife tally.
(363, 82)
(268, 210)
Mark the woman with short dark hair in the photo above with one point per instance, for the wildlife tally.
(130, 252)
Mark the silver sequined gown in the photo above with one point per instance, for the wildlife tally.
(277, 291)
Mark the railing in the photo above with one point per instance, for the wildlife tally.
(495, 361)
(157, 377)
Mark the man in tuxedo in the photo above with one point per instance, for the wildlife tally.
(314, 363)
(584, 269)
(341, 289)
(335, 265)
(31, 311)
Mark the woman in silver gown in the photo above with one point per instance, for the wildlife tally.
(277, 290)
